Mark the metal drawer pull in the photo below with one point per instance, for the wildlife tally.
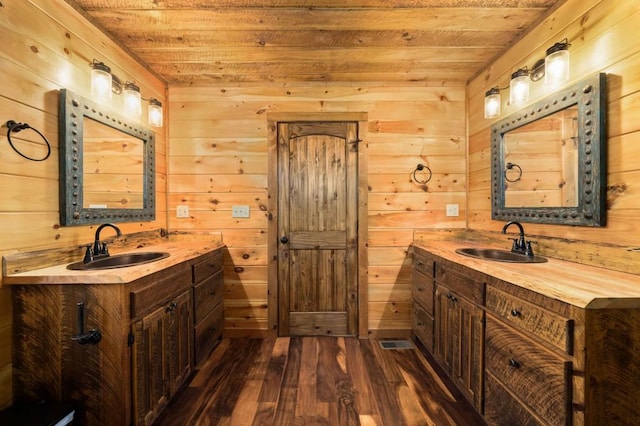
(515, 313)
(452, 297)
(514, 363)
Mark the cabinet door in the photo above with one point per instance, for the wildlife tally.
(162, 356)
(459, 342)
(149, 390)
(179, 340)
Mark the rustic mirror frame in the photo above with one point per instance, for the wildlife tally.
(73, 110)
(590, 97)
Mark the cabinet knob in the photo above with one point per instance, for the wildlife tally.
(284, 240)
(514, 363)
(452, 297)
(172, 307)
(515, 313)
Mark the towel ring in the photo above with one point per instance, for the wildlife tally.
(510, 166)
(13, 127)
(419, 168)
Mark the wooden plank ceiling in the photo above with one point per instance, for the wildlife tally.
(200, 42)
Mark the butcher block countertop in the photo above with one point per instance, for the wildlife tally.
(179, 251)
(580, 285)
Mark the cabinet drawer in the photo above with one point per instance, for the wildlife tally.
(422, 291)
(207, 295)
(423, 265)
(208, 332)
(461, 284)
(422, 325)
(529, 371)
(550, 327)
(208, 267)
(502, 409)
(149, 292)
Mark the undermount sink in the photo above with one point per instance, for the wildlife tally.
(500, 255)
(119, 261)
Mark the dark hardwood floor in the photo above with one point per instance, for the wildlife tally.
(316, 381)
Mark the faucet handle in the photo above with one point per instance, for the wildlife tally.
(516, 244)
(528, 250)
(88, 254)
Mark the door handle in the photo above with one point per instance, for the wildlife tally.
(284, 240)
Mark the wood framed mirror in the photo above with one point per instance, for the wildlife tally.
(549, 159)
(107, 170)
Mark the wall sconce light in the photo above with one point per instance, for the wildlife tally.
(132, 99)
(557, 63)
(104, 84)
(155, 113)
(519, 87)
(101, 82)
(554, 68)
(492, 103)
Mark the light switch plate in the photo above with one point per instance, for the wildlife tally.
(452, 210)
(182, 211)
(239, 211)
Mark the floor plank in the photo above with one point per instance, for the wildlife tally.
(317, 381)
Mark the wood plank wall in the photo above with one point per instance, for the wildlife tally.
(218, 158)
(603, 39)
(46, 45)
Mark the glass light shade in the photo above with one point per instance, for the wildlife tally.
(492, 103)
(519, 87)
(155, 113)
(100, 81)
(556, 64)
(132, 100)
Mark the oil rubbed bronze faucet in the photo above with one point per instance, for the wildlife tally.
(99, 248)
(520, 245)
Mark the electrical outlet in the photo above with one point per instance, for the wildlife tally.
(452, 210)
(182, 211)
(239, 211)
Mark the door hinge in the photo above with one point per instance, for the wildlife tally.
(130, 339)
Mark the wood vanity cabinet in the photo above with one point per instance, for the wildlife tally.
(148, 348)
(527, 358)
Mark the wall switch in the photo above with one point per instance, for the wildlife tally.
(182, 211)
(452, 210)
(239, 211)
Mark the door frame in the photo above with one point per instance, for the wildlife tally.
(272, 210)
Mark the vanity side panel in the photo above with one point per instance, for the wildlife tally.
(613, 366)
(49, 365)
(36, 343)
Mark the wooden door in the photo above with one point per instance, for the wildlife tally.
(317, 228)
